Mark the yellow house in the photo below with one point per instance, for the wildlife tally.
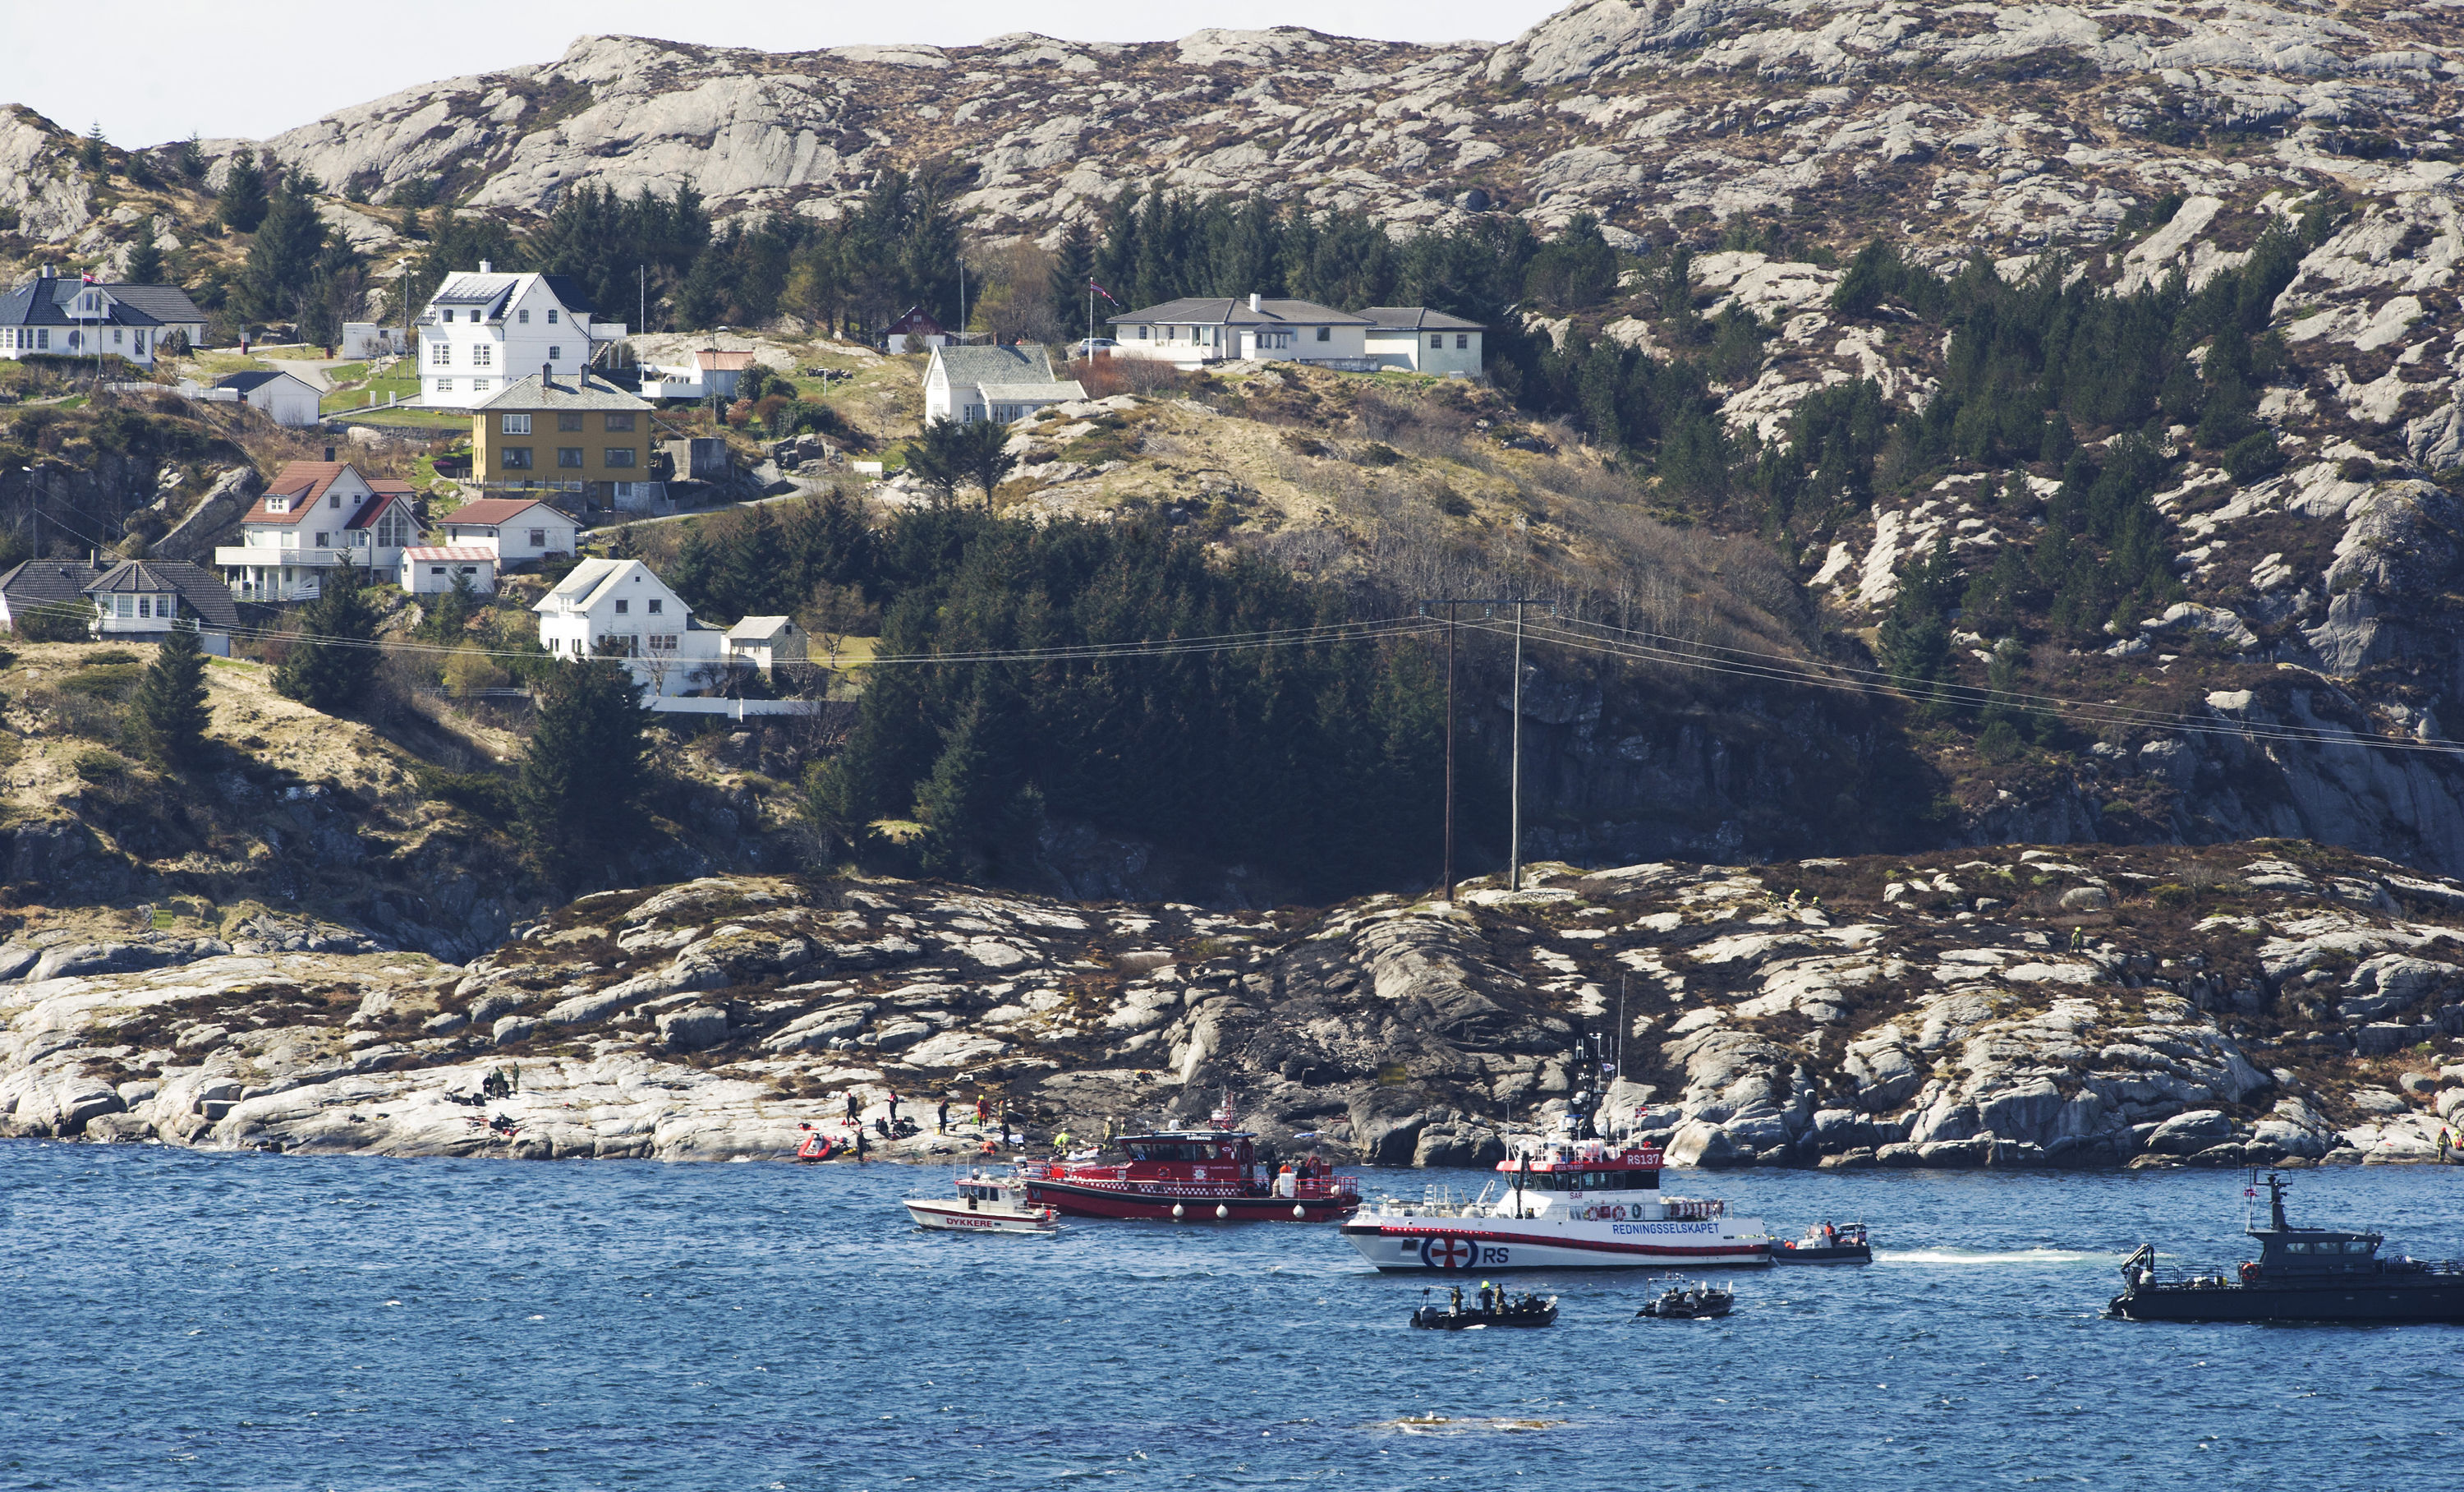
(574, 435)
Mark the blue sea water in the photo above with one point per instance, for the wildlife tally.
(175, 1318)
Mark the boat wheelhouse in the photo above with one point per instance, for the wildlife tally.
(1580, 1203)
(2301, 1274)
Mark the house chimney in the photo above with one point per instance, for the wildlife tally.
(548, 372)
(46, 273)
(1253, 300)
(486, 268)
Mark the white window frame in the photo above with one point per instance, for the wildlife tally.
(515, 425)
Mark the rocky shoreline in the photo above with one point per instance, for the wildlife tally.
(2089, 1006)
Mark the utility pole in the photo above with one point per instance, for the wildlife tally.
(641, 297)
(1514, 853)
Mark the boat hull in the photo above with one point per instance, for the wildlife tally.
(1462, 1244)
(1080, 1200)
(2347, 1301)
(1838, 1254)
(956, 1217)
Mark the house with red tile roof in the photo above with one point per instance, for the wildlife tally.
(315, 516)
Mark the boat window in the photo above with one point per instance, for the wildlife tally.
(2357, 1245)
(2297, 1248)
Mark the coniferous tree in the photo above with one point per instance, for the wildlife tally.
(586, 771)
(190, 160)
(90, 151)
(168, 713)
(279, 277)
(1073, 266)
(242, 203)
(331, 661)
(145, 256)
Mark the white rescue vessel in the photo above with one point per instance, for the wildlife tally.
(984, 1204)
(1561, 1204)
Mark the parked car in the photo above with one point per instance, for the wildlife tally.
(1093, 347)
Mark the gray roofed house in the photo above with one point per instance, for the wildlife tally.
(1417, 318)
(1000, 383)
(483, 328)
(1422, 341)
(1197, 330)
(50, 316)
(585, 392)
(49, 585)
(141, 600)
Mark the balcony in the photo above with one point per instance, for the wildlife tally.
(231, 556)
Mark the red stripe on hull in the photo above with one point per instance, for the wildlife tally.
(1097, 1202)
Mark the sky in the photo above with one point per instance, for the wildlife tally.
(255, 68)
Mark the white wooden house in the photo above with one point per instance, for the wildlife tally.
(51, 316)
(764, 642)
(1424, 341)
(1198, 330)
(483, 330)
(1004, 384)
(285, 398)
(431, 570)
(515, 530)
(619, 607)
(141, 600)
(314, 516)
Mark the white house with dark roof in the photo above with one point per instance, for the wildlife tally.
(1194, 332)
(141, 600)
(1424, 341)
(285, 398)
(764, 642)
(619, 607)
(52, 587)
(483, 330)
(51, 317)
(1004, 385)
(314, 516)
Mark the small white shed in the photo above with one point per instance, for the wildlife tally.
(285, 398)
(765, 642)
(430, 569)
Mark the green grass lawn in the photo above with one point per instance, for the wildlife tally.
(439, 420)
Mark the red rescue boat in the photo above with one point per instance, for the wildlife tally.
(1193, 1175)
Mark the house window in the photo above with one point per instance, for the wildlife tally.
(141, 344)
(657, 606)
(42, 338)
(1326, 334)
(568, 420)
(115, 337)
(441, 353)
(481, 354)
(663, 642)
(568, 455)
(321, 537)
(622, 605)
(619, 421)
(551, 318)
(333, 499)
(538, 541)
(1437, 338)
(144, 605)
(1142, 334)
(555, 353)
(619, 455)
(1462, 339)
(482, 384)
(517, 425)
(514, 458)
(445, 386)
(437, 569)
(523, 317)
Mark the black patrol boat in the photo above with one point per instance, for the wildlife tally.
(2301, 1274)
(1494, 1309)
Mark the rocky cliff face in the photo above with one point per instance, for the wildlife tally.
(2264, 1004)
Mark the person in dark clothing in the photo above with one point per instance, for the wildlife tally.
(858, 1145)
(850, 1106)
(893, 1105)
(943, 1126)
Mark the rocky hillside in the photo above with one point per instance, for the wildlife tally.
(2272, 1004)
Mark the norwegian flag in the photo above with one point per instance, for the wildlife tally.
(87, 277)
(1100, 290)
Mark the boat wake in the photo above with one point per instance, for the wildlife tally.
(1992, 1256)
(1440, 1424)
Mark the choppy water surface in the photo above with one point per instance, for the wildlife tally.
(170, 1319)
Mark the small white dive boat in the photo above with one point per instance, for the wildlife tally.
(984, 1204)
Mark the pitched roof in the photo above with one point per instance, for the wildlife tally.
(1229, 311)
(713, 360)
(305, 483)
(1415, 318)
(377, 502)
(916, 321)
(196, 586)
(497, 510)
(165, 303)
(449, 551)
(45, 302)
(757, 629)
(583, 393)
(1026, 363)
(592, 580)
(38, 581)
(259, 378)
(493, 291)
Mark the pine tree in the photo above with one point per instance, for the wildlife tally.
(145, 256)
(191, 161)
(279, 278)
(330, 664)
(1073, 268)
(167, 714)
(586, 771)
(90, 152)
(242, 202)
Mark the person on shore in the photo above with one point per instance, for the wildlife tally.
(1061, 1144)
(858, 1145)
(941, 1124)
(983, 1111)
(852, 1110)
(1004, 1124)
(893, 1108)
